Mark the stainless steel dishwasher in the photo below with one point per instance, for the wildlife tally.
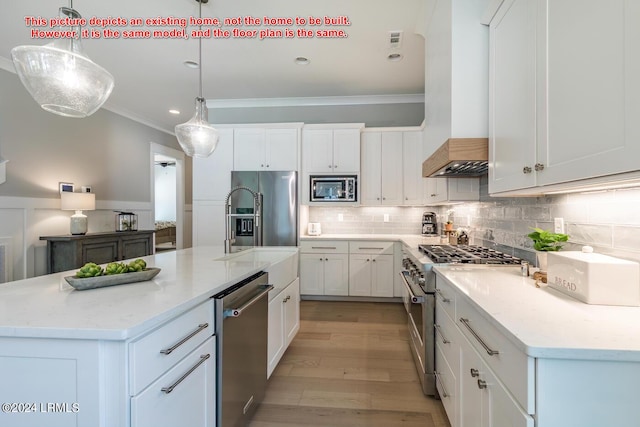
(241, 363)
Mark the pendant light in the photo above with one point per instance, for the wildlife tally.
(60, 76)
(197, 137)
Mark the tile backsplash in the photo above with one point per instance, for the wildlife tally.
(368, 220)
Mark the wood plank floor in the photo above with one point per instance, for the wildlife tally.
(349, 365)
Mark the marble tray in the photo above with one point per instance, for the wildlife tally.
(111, 280)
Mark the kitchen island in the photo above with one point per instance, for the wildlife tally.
(82, 358)
(511, 353)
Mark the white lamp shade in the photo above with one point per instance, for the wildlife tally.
(77, 201)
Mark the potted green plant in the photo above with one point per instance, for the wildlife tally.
(546, 241)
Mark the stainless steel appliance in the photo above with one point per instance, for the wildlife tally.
(262, 209)
(241, 352)
(429, 224)
(330, 188)
(420, 297)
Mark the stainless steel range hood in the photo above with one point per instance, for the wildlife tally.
(458, 157)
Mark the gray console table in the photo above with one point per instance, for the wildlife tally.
(73, 251)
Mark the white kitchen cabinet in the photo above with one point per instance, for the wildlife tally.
(212, 175)
(371, 268)
(185, 395)
(326, 150)
(265, 149)
(283, 324)
(324, 267)
(562, 95)
(412, 180)
(443, 190)
(381, 180)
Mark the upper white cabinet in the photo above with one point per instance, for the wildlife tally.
(442, 190)
(412, 181)
(381, 177)
(265, 149)
(565, 92)
(212, 175)
(326, 150)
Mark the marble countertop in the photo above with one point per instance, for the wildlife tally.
(46, 306)
(546, 323)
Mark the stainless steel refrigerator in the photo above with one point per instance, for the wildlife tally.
(278, 223)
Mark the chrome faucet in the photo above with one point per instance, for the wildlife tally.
(229, 233)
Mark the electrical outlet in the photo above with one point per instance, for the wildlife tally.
(340, 217)
(558, 225)
(386, 217)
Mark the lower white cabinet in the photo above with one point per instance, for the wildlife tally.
(324, 267)
(185, 395)
(284, 323)
(371, 275)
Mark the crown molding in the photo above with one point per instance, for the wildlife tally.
(316, 101)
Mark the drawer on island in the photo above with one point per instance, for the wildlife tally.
(153, 354)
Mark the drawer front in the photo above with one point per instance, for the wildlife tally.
(446, 297)
(448, 338)
(511, 365)
(189, 402)
(370, 247)
(324, 246)
(156, 352)
(446, 383)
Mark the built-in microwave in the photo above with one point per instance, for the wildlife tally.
(330, 188)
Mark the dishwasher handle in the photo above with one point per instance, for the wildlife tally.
(237, 312)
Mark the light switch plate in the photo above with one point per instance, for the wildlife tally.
(386, 217)
(558, 225)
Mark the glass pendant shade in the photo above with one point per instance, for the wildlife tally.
(60, 77)
(197, 137)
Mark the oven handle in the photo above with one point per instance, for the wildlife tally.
(414, 298)
(237, 312)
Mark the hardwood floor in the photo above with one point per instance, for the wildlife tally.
(349, 365)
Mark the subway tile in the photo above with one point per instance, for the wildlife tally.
(591, 234)
(626, 237)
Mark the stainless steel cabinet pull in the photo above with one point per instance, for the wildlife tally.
(335, 166)
(323, 247)
(444, 390)
(203, 359)
(287, 298)
(201, 327)
(267, 165)
(326, 259)
(441, 295)
(320, 259)
(378, 249)
(526, 169)
(490, 352)
(475, 373)
(374, 260)
(329, 166)
(482, 384)
(439, 332)
(368, 260)
(377, 198)
(433, 195)
(237, 312)
(538, 167)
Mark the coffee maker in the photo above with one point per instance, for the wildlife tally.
(429, 224)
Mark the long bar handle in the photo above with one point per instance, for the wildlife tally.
(488, 349)
(413, 297)
(439, 332)
(444, 299)
(203, 358)
(444, 390)
(380, 249)
(237, 312)
(201, 327)
(323, 247)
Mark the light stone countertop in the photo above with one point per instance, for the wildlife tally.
(46, 306)
(543, 322)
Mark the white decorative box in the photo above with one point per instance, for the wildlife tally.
(595, 278)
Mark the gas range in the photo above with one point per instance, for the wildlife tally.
(466, 254)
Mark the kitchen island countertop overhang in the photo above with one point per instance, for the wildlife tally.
(47, 307)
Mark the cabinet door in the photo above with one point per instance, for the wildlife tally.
(412, 180)
(98, 252)
(370, 176)
(208, 223)
(382, 276)
(436, 190)
(248, 149)
(589, 89)
(391, 170)
(281, 150)
(467, 189)
(512, 96)
(471, 371)
(501, 409)
(292, 312)
(275, 326)
(190, 403)
(317, 150)
(336, 274)
(212, 175)
(312, 274)
(135, 247)
(346, 150)
(360, 271)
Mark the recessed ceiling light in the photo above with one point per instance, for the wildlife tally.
(394, 57)
(174, 111)
(301, 60)
(191, 64)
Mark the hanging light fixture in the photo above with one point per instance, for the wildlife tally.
(60, 76)
(197, 137)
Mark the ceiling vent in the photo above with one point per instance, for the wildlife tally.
(395, 39)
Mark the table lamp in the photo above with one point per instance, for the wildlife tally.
(78, 202)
